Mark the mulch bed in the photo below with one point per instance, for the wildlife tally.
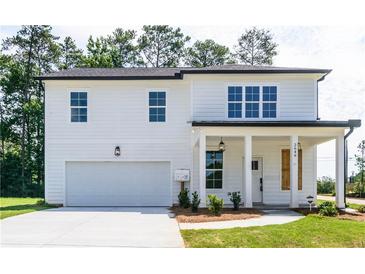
(342, 215)
(203, 215)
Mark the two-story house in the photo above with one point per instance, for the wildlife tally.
(115, 137)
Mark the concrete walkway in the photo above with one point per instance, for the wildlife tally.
(348, 199)
(92, 227)
(271, 217)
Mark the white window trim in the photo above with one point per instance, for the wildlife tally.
(148, 105)
(69, 90)
(214, 189)
(248, 84)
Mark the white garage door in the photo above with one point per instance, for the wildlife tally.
(118, 184)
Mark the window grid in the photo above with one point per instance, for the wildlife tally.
(269, 98)
(78, 103)
(234, 102)
(256, 102)
(157, 106)
(214, 170)
(252, 106)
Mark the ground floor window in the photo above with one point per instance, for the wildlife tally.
(214, 169)
(285, 169)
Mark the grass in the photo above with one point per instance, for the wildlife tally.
(15, 206)
(311, 231)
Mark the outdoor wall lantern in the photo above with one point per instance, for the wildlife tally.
(117, 151)
(222, 146)
(299, 146)
(310, 202)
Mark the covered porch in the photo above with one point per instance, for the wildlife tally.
(270, 165)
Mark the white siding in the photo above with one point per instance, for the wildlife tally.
(117, 115)
(297, 99)
(270, 151)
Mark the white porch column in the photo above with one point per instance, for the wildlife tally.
(340, 169)
(294, 199)
(202, 166)
(248, 172)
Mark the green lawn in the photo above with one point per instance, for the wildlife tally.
(311, 231)
(14, 206)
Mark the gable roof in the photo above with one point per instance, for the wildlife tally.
(144, 73)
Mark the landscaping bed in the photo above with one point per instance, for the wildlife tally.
(341, 215)
(204, 215)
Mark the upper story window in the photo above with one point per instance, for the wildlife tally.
(78, 103)
(269, 98)
(234, 102)
(255, 102)
(157, 106)
(252, 102)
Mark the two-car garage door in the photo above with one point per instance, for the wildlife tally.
(118, 184)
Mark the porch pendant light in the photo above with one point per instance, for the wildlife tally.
(222, 146)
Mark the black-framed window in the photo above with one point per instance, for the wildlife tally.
(157, 106)
(214, 169)
(78, 103)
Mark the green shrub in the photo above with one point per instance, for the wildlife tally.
(184, 200)
(195, 201)
(327, 208)
(235, 198)
(325, 185)
(361, 209)
(215, 204)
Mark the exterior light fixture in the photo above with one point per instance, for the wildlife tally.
(222, 146)
(117, 151)
(310, 202)
(299, 146)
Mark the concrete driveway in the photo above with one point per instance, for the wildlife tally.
(92, 226)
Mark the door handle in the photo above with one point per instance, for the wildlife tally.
(261, 185)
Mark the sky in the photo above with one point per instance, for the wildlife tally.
(340, 48)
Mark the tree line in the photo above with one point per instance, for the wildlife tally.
(35, 50)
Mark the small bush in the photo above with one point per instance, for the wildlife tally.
(184, 200)
(215, 204)
(325, 185)
(327, 208)
(195, 201)
(235, 198)
(41, 202)
(361, 209)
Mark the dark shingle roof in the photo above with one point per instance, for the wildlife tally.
(143, 73)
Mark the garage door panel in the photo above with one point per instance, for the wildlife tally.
(118, 184)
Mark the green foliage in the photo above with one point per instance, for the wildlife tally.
(162, 46)
(256, 47)
(184, 200)
(235, 198)
(215, 204)
(327, 208)
(70, 55)
(361, 208)
(325, 185)
(195, 201)
(207, 53)
(32, 51)
(98, 54)
(360, 163)
(124, 53)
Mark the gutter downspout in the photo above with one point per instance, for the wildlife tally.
(346, 160)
